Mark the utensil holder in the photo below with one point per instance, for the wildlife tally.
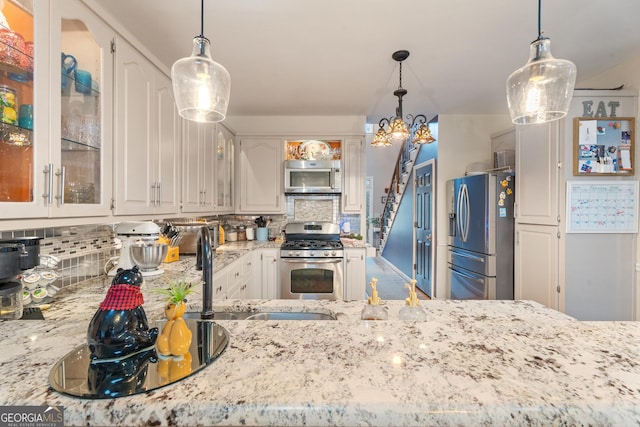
(172, 254)
(262, 234)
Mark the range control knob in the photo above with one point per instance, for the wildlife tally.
(327, 253)
(312, 253)
(333, 253)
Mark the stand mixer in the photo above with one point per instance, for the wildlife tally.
(131, 233)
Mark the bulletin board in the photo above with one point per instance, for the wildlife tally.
(602, 207)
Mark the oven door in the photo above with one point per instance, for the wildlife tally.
(309, 278)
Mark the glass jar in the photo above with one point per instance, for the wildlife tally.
(11, 300)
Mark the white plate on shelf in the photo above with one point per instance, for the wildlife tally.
(314, 150)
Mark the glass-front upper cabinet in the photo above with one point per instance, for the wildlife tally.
(55, 110)
(224, 171)
(16, 102)
(82, 88)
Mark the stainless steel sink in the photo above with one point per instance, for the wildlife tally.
(290, 316)
(219, 315)
(270, 315)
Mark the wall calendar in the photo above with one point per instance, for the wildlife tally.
(602, 207)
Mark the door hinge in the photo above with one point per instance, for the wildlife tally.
(558, 234)
(558, 289)
(558, 219)
(113, 203)
(113, 46)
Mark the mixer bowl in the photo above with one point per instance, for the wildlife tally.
(148, 257)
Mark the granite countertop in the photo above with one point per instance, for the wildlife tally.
(470, 363)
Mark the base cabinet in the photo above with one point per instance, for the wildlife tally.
(355, 278)
(269, 273)
(536, 264)
(239, 278)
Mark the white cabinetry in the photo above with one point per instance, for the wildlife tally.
(63, 167)
(352, 175)
(269, 273)
(538, 170)
(240, 277)
(537, 230)
(536, 264)
(147, 137)
(224, 159)
(259, 175)
(354, 274)
(199, 141)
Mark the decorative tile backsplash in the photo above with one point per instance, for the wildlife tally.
(82, 250)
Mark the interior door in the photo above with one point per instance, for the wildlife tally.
(424, 226)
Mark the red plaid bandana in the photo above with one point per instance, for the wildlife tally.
(122, 297)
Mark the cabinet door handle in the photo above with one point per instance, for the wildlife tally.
(48, 171)
(60, 197)
(153, 194)
(158, 187)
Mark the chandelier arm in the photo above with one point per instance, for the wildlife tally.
(383, 120)
(419, 119)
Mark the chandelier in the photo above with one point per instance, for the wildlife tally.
(541, 90)
(398, 129)
(201, 86)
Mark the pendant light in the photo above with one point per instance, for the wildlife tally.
(541, 90)
(201, 86)
(398, 129)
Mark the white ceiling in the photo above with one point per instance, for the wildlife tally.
(333, 57)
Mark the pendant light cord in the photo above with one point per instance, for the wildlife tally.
(202, 19)
(539, 19)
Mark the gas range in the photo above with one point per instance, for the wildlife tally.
(312, 240)
(311, 261)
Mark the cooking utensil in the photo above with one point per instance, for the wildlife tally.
(11, 255)
(261, 221)
(31, 258)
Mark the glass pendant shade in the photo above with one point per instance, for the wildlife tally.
(541, 90)
(398, 130)
(201, 86)
(423, 135)
(381, 139)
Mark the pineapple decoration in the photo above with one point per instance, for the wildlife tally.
(175, 338)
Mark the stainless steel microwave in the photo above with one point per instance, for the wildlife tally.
(312, 176)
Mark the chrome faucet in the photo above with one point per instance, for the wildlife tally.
(204, 262)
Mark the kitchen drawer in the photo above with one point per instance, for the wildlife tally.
(478, 263)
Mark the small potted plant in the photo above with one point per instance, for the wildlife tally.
(175, 338)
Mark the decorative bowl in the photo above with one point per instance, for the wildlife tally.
(148, 257)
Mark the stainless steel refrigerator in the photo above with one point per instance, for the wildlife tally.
(481, 224)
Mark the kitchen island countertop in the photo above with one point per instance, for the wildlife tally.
(470, 363)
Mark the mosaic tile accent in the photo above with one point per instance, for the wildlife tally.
(312, 210)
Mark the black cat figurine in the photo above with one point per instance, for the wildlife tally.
(119, 328)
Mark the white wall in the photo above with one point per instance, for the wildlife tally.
(464, 141)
